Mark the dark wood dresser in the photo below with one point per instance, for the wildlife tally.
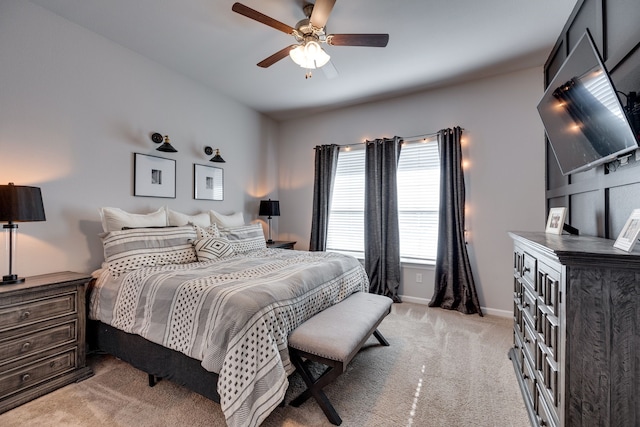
(576, 330)
(42, 336)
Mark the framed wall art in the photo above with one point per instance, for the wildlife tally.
(208, 182)
(154, 176)
(628, 237)
(555, 221)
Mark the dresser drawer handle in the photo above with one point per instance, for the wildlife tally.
(26, 346)
(525, 269)
(25, 315)
(26, 377)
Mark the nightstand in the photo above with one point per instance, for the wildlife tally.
(281, 244)
(42, 336)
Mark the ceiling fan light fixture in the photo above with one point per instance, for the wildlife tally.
(309, 55)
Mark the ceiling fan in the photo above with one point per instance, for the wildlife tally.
(310, 33)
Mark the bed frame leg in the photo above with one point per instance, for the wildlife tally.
(153, 380)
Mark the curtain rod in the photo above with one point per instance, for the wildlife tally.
(404, 138)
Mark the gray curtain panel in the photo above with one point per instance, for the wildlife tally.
(325, 170)
(454, 285)
(382, 235)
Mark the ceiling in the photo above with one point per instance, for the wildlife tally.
(432, 43)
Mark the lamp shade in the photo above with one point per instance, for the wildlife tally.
(269, 208)
(20, 203)
(166, 146)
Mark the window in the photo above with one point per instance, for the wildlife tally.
(418, 202)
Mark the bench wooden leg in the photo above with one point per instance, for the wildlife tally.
(314, 388)
(380, 338)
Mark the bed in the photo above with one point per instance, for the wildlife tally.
(213, 319)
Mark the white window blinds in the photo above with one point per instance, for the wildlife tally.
(346, 218)
(418, 202)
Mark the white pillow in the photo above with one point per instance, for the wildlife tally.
(115, 219)
(227, 221)
(202, 219)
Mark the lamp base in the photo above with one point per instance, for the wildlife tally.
(11, 279)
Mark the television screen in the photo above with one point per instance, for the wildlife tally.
(582, 114)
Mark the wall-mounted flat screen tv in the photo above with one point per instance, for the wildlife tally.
(582, 115)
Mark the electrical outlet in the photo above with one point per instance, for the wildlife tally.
(418, 277)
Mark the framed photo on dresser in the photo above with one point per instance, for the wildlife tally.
(555, 221)
(629, 235)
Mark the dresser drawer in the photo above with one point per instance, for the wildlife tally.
(32, 311)
(529, 270)
(546, 416)
(38, 341)
(29, 375)
(529, 305)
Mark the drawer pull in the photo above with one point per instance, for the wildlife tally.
(52, 364)
(525, 269)
(26, 346)
(26, 377)
(527, 340)
(525, 376)
(25, 315)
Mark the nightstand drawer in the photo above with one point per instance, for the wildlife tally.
(30, 375)
(35, 310)
(38, 341)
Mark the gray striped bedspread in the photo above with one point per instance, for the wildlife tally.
(233, 314)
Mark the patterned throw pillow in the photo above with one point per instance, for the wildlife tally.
(126, 250)
(212, 248)
(204, 232)
(245, 238)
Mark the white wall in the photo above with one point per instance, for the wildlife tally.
(74, 107)
(503, 143)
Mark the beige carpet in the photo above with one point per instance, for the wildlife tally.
(442, 369)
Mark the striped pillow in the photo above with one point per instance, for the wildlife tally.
(245, 238)
(212, 248)
(127, 250)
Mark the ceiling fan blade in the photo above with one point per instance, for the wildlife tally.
(260, 17)
(370, 40)
(321, 11)
(281, 54)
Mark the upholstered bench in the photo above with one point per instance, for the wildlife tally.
(333, 337)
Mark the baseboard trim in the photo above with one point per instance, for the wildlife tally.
(485, 310)
(415, 300)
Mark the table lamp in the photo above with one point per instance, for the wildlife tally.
(18, 203)
(269, 208)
